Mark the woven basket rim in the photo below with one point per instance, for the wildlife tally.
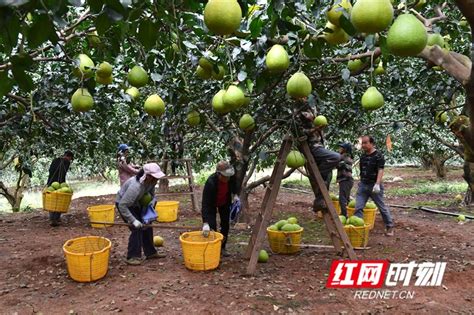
(106, 248)
(286, 232)
(99, 207)
(56, 192)
(219, 237)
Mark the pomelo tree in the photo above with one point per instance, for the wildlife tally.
(189, 56)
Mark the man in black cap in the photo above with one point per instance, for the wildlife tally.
(344, 176)
(57, 173)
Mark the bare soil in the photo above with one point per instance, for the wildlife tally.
(34, 277)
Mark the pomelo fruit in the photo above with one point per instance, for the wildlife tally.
(295, 159)
(355, 65)
(296, 227)
(56, 185)
(299, 86)
(104, 80)
(64, 185)
(380, 69)
(343, 219)
(50, 189)
(320, 121)
(218, 103)
(233, 98)
(435, 39)
(355, 221)
(193, 118)
(292, 220)
(334, 197)
(370, 205)
(146, 199)
(372, 99)
(262, 256)
(338, 9)
(246, 122)
(154, 105)
(277, 59)
(280, 224)
(407, 36)
(105, 70)
(158, 241)
(441, 117)
(94, 39)
(205, 63)
(352, 203)
(85, 66)
(133, 92)
(203, 73)
(336, 36)
(82, 100)
(372, 16)
(218, 75)
(273, 227)
(461, 218)
(137, 77)
(222, 17)
(287, 228)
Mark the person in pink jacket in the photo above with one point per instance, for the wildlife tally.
(125, 168)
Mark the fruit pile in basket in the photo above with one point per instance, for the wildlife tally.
(59, 187)
(352, 220)
(288, 225)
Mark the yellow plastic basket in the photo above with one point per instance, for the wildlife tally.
(101, 213)
(358, 235)
(87, 258)
(369, 215)
(337, 206)
(167, 211)
(56, 201)
(199, 252)
(284, 242)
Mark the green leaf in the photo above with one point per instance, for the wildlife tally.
(147, 34)
(102, 24)
(9, 29)
(23, 79)
(6, 84)
(95, 5)
(312, 48)
(347, 25)
(22, 60)
(40, 31)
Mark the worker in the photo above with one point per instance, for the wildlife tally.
(219, 193)
(344, 176)
(372, 163)
(57, 173)
(128, 203)
(125, 168)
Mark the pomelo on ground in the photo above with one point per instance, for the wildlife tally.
(158, 241)
(262, 256)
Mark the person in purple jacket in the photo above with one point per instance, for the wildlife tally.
(125, 168)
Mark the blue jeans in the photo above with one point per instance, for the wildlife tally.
(363, 193)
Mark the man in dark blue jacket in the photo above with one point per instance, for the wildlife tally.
(219, 192)
(57, 173)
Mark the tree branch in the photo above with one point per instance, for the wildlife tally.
(265, 179)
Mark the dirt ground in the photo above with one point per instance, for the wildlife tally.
(34, 278)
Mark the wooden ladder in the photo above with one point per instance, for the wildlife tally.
(164, 181)
(331, 218)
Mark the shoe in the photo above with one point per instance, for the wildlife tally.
(134, 261)
(54, 223)
(156, 256)
(225, 253)
(389, 231)
(319, 205)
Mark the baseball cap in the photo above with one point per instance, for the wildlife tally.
(154, 170)
(122, 147)
(347, 147)
(225, 169)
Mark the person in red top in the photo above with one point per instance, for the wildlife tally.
(219, 192)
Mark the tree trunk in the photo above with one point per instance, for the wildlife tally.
(426, 162)
(15, 197)
(439, 165)
(469, 177)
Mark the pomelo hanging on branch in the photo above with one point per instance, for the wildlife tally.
(222, 17)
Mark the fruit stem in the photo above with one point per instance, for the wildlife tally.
(229, 59)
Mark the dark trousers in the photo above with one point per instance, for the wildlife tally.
(345, 188)
(54, 216)
(139, 238)
(326, 160)
(224, 214)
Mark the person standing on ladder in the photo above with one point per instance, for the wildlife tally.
(219, 192)
(57, 173)
(129, 204)
(125, 168)
(344, 176)
(326, 159)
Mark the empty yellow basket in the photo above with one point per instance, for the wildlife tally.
(199, 252)
(87, 258)
(101, 213)
(167, 211)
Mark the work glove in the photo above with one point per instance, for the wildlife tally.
(236, 198)
(206, 229)
(376, 189)
(137, 224)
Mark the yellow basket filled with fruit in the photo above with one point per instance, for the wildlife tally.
(357, 231)
(284, 236)
(57, 197)
(335, 202)
(370, 211)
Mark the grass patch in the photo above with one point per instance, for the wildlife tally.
(429, 188)
(296, 183)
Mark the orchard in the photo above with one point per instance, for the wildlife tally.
(227, 80)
